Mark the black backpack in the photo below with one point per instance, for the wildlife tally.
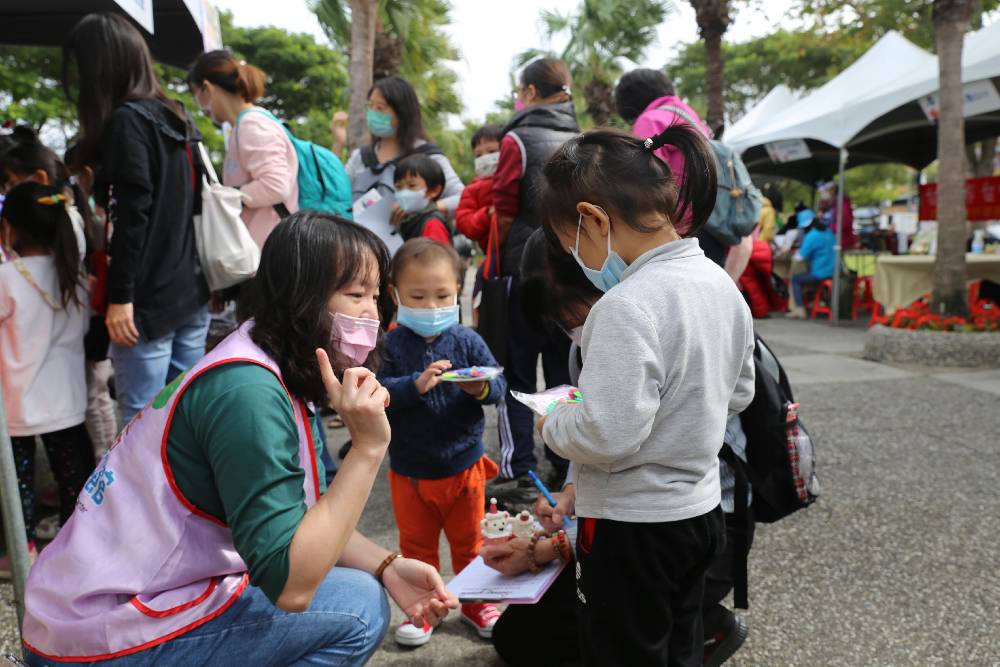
(370, 159)
(781, 459)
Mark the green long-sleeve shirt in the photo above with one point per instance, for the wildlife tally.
(234, 450)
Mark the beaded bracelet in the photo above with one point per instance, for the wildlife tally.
(562, 546)
(533, 566)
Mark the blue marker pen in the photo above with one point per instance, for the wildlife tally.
(548, 496)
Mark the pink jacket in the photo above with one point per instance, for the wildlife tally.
(654, 120)
(261, 162)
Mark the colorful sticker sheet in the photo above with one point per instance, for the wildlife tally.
(543, 402)
(472, 374)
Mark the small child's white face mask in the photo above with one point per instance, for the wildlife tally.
(486, 165)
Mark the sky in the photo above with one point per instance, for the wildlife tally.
(489, 35)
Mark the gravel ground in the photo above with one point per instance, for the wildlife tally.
(893, 565)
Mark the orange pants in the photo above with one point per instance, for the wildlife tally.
(456, 504)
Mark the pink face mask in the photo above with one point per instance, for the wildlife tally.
(354, 337)
(518, 104)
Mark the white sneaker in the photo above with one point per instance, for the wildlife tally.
(408, 634)
(6, 567)
(48, 528)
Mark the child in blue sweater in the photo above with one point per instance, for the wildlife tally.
(438, 470)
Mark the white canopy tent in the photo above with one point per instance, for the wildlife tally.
(774, 103)
(834, 112)
(876, 110)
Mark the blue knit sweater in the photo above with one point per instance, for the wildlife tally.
(440, 433)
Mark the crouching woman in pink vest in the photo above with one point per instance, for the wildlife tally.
(205, 535)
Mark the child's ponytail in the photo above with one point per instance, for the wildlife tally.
(698, 183)
(624, 176)
(39, 215)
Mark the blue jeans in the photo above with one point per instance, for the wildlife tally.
(344, 626)
(799, 281)
(145, 368)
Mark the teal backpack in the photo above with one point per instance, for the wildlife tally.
(323, 182)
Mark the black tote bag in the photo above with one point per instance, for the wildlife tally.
(493, 316)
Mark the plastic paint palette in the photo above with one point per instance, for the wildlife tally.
(543, 402)
(472, 374)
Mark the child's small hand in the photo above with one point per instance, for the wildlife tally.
(431, 377)
(540, 426)
(397, 217)
(472, 388)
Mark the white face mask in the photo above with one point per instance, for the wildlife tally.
(486, 165)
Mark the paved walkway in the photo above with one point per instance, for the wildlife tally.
(895, 565)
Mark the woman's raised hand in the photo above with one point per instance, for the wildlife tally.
(360, 401)
(418, 590)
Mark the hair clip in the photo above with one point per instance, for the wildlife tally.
(648, 144)
(52, 200)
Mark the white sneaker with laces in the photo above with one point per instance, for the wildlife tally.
(408, 634)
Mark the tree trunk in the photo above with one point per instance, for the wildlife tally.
(981, 157)
(363, 13)
(950, 296)
(713, 20)
(715, 80)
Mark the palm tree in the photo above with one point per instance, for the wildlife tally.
(951, 19)
(408, 40)
(357, 29)
(713, 21)
(602, 34)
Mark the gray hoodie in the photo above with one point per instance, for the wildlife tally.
(668, 356)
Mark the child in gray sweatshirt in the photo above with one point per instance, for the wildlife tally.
(667, 358)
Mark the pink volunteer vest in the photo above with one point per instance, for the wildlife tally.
(138, 564)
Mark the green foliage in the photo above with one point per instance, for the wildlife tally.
(800, 60)
(31, 89)
(302, 75)
(868, 20)
(412, 44)
(602, 33)
(306, 82)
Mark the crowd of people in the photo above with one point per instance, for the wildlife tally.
(213, 517)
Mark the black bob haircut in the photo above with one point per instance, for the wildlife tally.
(553, 288)
(486, 133)
(423, 166)
(637, 90)
(305, 260)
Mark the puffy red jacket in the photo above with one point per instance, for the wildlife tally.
(756, 282)
(472, 217)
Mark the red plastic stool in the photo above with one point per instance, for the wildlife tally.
(819, 307)
(876, 311)
(864, 296)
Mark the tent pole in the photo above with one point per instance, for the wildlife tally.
(13, 519)
(837, 248)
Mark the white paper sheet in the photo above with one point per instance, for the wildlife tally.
(479, 582)
(374, 214)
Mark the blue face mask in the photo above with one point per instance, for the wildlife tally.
(427, 322)
(412, 201)
(611, 271)
(380, 123)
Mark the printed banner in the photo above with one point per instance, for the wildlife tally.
(788, 150)
(982, 199)
(978, 96)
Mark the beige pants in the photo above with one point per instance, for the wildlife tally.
(102, 423)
